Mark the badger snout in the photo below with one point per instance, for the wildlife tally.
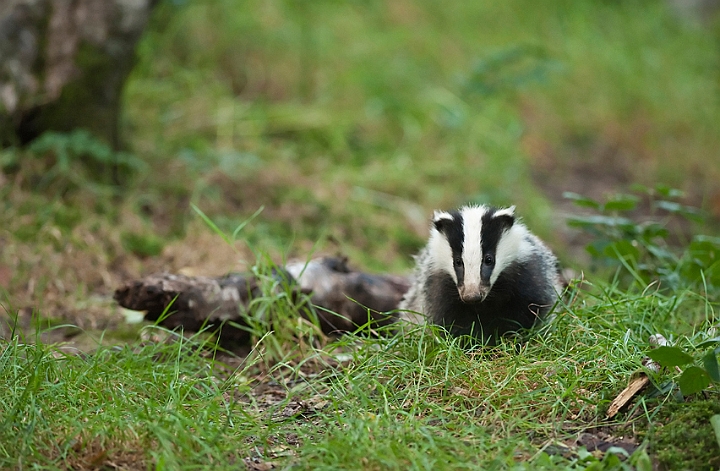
(473, 294)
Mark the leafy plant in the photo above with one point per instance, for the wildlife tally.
(694, 378)
(78, 158)
(643, 247)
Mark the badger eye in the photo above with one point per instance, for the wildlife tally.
(457, 261)
(488, 260)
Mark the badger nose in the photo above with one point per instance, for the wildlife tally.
(474, 298)
(472, 294)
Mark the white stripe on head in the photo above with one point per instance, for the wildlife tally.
(439, 249)
(513, 246)
(472, 243)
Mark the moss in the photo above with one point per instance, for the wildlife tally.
(682, 437)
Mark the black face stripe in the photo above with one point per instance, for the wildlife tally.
(453, 232)
(493, 228)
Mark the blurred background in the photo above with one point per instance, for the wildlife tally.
(348, 123)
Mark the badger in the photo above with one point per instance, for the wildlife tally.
(482, 274)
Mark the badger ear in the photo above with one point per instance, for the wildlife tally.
(505, 212)
(442, 220)
(506, 217)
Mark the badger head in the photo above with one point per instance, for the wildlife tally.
(474, 245)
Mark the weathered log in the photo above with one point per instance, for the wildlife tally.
(341, 298)
(191, 302)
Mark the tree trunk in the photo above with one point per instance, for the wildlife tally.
(63, 64)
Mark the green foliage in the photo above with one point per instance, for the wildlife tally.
(715, 422)
(645, 250)
(159, 402)
(643, 253)
(281, 320)
(410, 399)
(50, 214)
(79, 157)
(346, 99)
(670, 356)
(61, 180)
(694, 378)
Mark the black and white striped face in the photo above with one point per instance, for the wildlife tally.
(474, 245)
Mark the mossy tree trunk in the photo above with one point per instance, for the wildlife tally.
(63, 64)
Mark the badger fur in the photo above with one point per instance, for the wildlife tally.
(483, 274)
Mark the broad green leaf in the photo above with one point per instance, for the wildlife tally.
(594, 250)
(642, 461)
(709, 239)
(669, 192)
(638, 188)
(611, 460)
(705, 250)
(709, 342)
(715, 422)
(693, 380)
(621, 203)
(616, 450)
(581, 200)
(652, 229)
(670, 356)
(711, 365)
(598, 220)
(688, 212)
(670, 206)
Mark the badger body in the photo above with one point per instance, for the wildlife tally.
(483, 274)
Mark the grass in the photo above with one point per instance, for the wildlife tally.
(412, 400)
(349, 123)
(120, 406)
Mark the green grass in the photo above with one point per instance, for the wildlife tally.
(412, 400)
(120, 405)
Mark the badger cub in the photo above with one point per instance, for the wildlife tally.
(483, 274)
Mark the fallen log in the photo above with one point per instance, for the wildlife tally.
(341, 298)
